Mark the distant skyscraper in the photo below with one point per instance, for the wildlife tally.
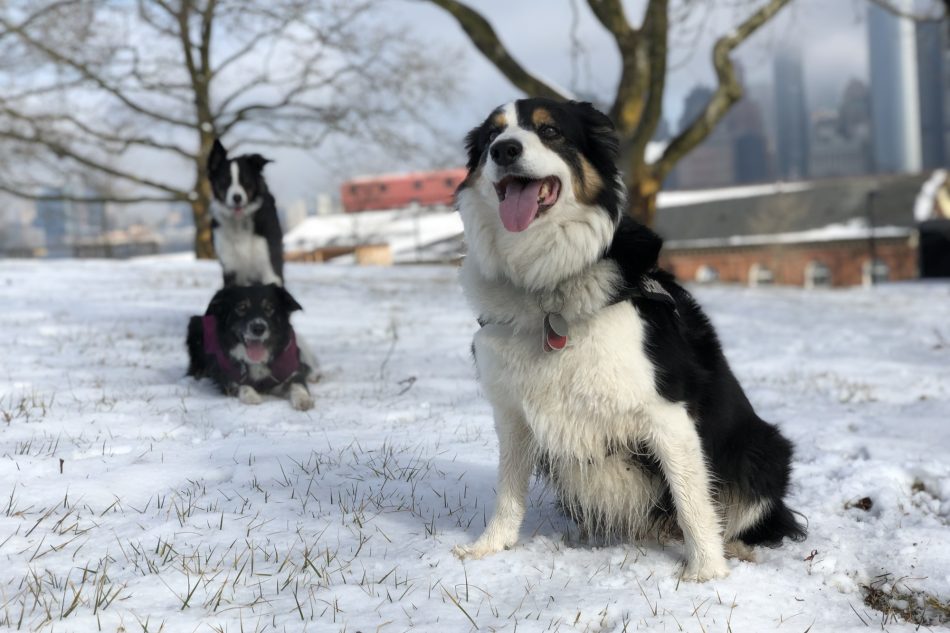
(931, 43)
(791, 117)
(744, 125)
(52, 218)
(696, 102)
(895, 104)
(710, 164)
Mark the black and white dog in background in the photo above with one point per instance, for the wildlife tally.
(245, 344)
(245, 226)
(601, 370)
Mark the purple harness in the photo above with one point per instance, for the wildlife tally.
(284, 366)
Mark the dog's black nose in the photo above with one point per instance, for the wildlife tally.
(258, 329)
(506, 152)
(237, 198)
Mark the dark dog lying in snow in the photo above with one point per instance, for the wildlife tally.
(246, 345)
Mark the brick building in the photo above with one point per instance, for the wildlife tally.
(823, 233)
(396, 191)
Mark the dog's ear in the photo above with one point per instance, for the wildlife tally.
(600, 128)
(217, 157)
(220, 303)
(474, 147)
(257, 162)
(286, 299)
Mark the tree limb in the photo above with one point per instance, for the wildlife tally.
(483, 36)
(656, 33)
(22, 194)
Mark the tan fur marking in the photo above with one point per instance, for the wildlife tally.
(499, 120)
(589, 185)
(541, 117)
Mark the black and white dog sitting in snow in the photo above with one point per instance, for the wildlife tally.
(246, 345)
(245, 227)
(601, 370)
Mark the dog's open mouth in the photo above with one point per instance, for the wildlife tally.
(256, 350)
(521, 200)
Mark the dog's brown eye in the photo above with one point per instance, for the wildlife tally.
(493, 134)
(548, 132)
(241, 308)
(268, 308)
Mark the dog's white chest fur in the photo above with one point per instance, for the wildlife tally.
(243, 253)
(582, 399)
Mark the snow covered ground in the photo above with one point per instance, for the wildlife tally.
(134, 499)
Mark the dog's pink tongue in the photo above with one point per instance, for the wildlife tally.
(520, 206)
(256, 351)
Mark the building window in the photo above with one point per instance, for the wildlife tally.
(449, 182)
(382, 187)
(707, 274)
(817, 275)
(417, 185)
(875, 273)
(353, 189)
(760, 275)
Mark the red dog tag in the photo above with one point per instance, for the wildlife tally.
(555, 331)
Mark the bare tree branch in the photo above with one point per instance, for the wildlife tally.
(483, 36)
(119, 84)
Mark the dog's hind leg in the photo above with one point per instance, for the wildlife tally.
(515, 464)
(676, 445)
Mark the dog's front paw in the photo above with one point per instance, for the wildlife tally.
(701, 569)
(705, 569)
(300, 398)
(474, 551)
(249, 395)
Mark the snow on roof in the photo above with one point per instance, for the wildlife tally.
(853, 229)
(683, 198)
(925, 203)
(407, 231)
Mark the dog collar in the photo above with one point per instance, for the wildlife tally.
(282, 367)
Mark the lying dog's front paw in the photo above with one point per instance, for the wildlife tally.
(249, 395)
(300, 398)
(707, 569)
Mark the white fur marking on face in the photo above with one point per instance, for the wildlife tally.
(235, 187)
